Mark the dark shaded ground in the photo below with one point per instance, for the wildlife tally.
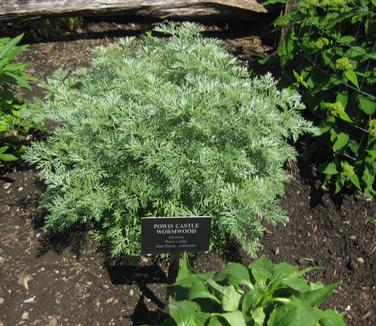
(66, 279)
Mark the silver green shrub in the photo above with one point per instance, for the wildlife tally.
(165, 127)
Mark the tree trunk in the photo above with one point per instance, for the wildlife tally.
(290, 6)
(240, 9)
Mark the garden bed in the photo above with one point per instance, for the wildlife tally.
(67, 280)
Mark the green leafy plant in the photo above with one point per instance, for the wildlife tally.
(327, 52)
(165, 127)
(257, 295)
(12, 75)
(48, 27)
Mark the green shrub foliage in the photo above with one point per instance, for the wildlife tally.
(165, 127)
(328, 54)
(260, 294)
(12, 76)
(49, 27)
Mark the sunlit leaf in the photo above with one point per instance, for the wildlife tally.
(331, 318)
(183, 312)
(7, 157)
(367, 105)
(233, 274)
(295, 313)
(317, 296)
(351, 76)
(329, 168)
(341, 141)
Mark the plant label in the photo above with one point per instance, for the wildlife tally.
(174, 235)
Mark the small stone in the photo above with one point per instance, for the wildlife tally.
(30, 300)
(52, 322)
(353, 237)
(25, 315)
(20, 189)
(7, 185)
(109, 300)
(348, 308)
(131, 293)
(276, 252)
(2, 300)
(360, 260)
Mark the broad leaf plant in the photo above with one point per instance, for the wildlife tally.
(261, 294)
(328, 54)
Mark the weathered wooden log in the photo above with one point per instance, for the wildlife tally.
(241, 9)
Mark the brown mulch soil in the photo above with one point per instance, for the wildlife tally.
(66, 279)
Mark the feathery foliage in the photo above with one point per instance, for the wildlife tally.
(165, 127)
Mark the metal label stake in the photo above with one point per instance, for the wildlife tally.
(175, 235)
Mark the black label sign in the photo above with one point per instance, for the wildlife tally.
(175, 234)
